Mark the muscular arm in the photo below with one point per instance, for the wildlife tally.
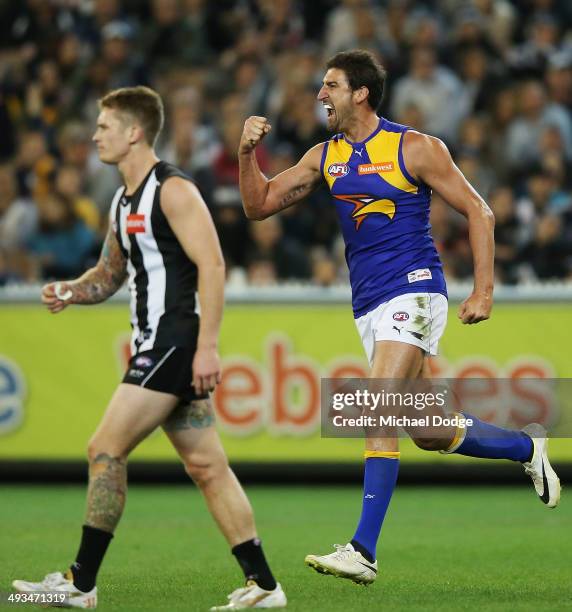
(95, 285)
(429, 161)
(103, 280)
(191, 222)
(261, 197)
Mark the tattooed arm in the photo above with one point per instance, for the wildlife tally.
(96, 285)
(261, 197)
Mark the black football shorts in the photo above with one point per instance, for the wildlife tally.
(169, 370)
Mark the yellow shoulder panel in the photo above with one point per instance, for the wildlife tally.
(383, 151)
(339, 152)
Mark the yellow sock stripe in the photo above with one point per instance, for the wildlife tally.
(387, 454)
(458, 434)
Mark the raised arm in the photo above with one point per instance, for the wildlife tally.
(261, 197)
(191, 222)
(429, 161)
(95, 285)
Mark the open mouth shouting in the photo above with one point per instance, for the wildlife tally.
(330, 110)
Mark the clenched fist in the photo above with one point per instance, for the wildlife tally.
(255, 129)
(56, 296)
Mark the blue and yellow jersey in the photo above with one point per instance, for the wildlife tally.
(384, 216)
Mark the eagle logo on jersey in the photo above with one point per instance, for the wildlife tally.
(365, 205)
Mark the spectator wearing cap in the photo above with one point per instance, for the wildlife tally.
(92, 22)
(118, 52)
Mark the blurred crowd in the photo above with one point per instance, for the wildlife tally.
(492, 78)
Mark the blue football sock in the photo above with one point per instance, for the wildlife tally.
(378, 484)
(491, 442)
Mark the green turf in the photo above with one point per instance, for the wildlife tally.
(472, 549)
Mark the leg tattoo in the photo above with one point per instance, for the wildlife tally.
(198, 414)
(106, 492)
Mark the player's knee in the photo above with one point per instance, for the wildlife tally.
(431, 444)
(205, 469)
(96, 449)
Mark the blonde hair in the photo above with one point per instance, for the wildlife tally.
(142, 103)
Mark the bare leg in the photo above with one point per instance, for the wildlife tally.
(393, 360)
(191, 430)
(133, 413)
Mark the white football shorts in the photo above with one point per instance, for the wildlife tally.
(413, 318)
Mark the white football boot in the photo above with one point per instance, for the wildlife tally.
(544, 478)
(252, 596)
(344, 563)
(58, 583)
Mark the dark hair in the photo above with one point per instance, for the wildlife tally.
(142, 103)
(362, 70)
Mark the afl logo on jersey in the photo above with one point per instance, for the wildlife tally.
(338, 170)
(400, 316)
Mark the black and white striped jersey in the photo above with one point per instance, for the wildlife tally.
(162, 279)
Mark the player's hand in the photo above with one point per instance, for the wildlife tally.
(477, 307)
(255, 129)
(56, 296)
(206, 369)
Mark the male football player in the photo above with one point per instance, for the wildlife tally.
(161, 239)
(380, 175)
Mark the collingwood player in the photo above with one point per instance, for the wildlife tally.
(161, 239)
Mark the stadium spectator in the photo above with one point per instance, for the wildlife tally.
(499, 19)
(269, 243)
(435, 89)
(34, 164)
(119, 54)
(525, 130)
(493, 78)
(17, 215)
(509, 234)
(62, 243)
(531, 57)
(324, 270)
(548, 254)
(163, 38)
(76, 149)
(261, 271)
(480, 80)
(68, 183)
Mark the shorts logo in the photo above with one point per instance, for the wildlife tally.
(135, 224)
(418, 275)
(338, 170)
(400, 316)
(376, 168)
(135, 373)
(144, 362)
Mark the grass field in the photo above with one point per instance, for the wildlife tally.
(441, 548)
